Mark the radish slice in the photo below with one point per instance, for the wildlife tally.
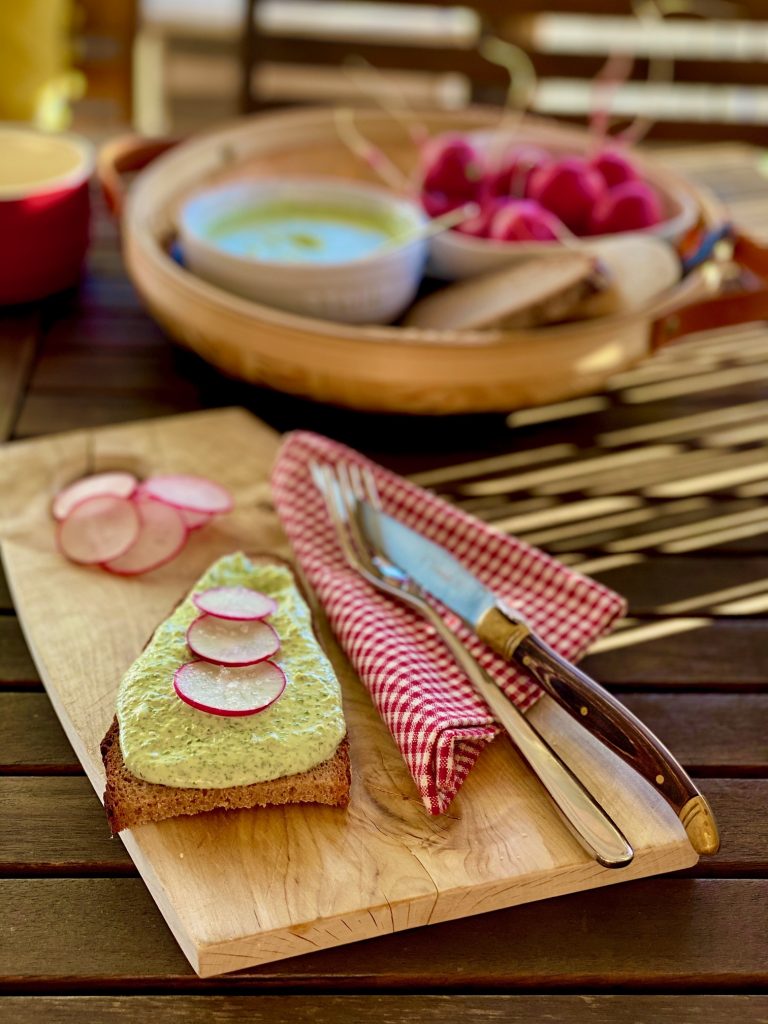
(194, 520)
(162, 536)
(118, 484)
(193, 493)
(229, 691)
(98, 529)
(232, 643)
(239, 602)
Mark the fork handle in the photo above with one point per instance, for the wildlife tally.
(585, 818)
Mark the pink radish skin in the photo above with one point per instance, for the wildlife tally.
(98, 529)
(232, 642)
(239, 604)
(117, 484)
(451, 165)
(437, 203)
(517, 166)
(480, 225)
(523, 220)
(161, 537)
(614, 168)
(629, 207)
(194, 520)
(231, 692)
(191, 493)
(569, 188)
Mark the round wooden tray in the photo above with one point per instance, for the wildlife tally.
(392, 369)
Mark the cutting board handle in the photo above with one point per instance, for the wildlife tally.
(743, 303)
(122, 156)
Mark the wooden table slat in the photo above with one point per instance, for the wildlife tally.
(56, 825)
(88, 931)
(427, 1009)
(729, 734)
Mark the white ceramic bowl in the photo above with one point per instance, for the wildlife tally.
(454, 255)
(373, 288)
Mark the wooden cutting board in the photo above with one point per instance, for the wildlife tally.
(249, 887)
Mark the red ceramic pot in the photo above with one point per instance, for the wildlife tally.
(44, 212)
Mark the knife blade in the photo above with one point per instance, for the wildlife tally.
(442, 576)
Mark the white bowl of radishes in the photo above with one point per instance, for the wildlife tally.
(533, 200)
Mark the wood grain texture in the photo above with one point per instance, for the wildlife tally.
(382, 866)
(380, 1009)
(80, 932)
(31, 737)
(55, 825)
(16, 665)
(726, 731)
(18, 342)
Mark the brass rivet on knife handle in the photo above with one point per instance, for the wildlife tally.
(501, 633)
(700, 826)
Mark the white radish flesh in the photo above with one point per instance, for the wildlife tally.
(230, 642)
(238, 602)
(98, 529)
(161, 537)
(118, 484)
(194, 520)
(229, 691)
(192, 493)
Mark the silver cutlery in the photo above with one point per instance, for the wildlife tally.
(433, 570)
(343, 490)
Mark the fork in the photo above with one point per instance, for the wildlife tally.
(342, 489)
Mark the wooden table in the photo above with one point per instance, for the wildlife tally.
(672, 513)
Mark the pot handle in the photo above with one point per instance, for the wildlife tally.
(121, 156)
(742, 302)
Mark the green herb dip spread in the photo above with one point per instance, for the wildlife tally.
(304, 232)
(166, 741)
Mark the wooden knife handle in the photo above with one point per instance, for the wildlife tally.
(607, 719)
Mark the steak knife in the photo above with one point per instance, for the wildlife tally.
(441, 575)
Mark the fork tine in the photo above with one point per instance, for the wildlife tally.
(370, 488)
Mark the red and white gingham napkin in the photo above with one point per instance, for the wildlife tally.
(436, 718)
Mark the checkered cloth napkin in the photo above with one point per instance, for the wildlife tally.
(436, 718)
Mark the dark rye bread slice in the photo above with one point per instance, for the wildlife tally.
(129, 801)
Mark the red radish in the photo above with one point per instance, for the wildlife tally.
(437, 203)
(568, 188)
(629, 207)
(479, 225)
(162, 535)
(117, 484)
(517, 165)
(238, 603)
(229, 691)
(523, 220)
(98, 529)
(451, 165)
(194, 520)
(192, 493)
(232, 642)
(614, 168)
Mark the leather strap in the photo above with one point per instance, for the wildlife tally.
(745, 303)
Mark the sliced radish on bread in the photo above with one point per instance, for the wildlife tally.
(162, 535)
(229, 691)
(191, 493)
(116, 484)
(237, 603)
(98, 529)
(227, 642)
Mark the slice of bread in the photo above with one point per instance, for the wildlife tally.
(130, 801)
